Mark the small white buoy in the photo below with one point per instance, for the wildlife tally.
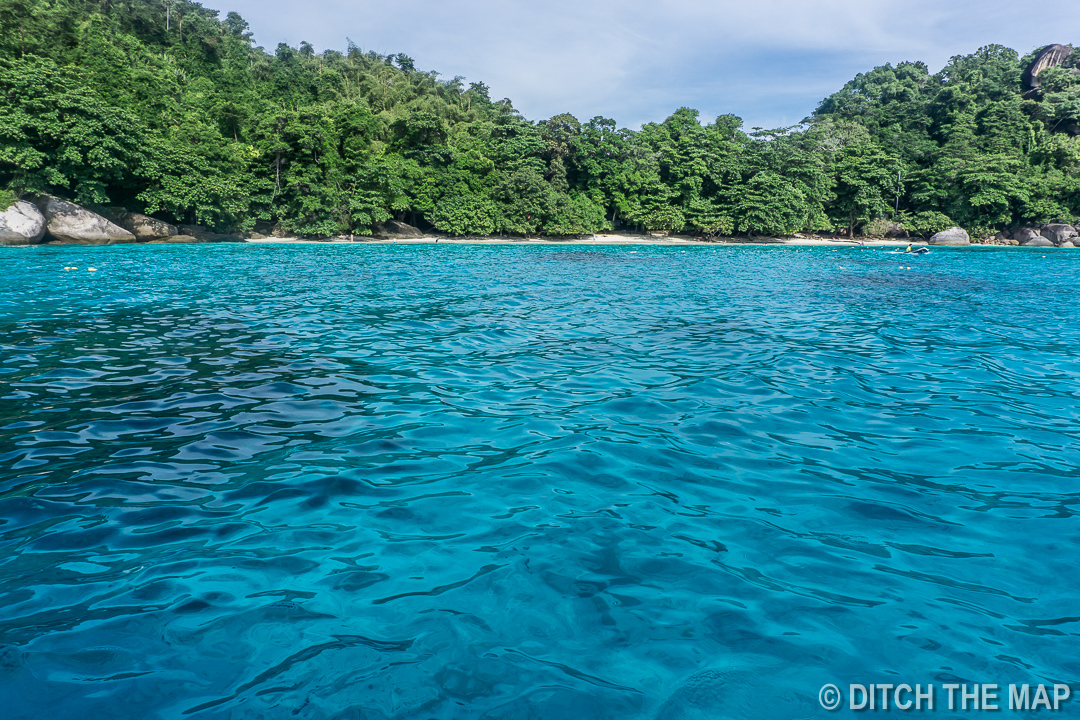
(91, 269)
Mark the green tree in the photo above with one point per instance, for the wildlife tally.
(466, 215)
(771, 204)
(55, 133)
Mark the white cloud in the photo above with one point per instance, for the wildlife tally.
(637, 60)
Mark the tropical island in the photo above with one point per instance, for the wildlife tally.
(158, 121)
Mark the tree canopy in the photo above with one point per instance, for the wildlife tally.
(164, 107)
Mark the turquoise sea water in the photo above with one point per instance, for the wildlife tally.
(532, 482)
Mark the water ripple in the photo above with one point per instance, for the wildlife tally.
(510, 482)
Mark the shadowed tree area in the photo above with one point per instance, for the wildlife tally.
(163, 107)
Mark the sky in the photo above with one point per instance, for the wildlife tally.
(768, 61)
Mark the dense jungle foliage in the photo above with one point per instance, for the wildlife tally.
(163, 107)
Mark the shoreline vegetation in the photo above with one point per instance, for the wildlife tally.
(119, 123)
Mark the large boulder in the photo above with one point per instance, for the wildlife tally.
(21, 224)
(144, 227)
(1038, 241)
(198, 233)
(1058, 233)
(74, 225)
(1024, 234)
(885, 228)
(952, 236)
(896, 230)
(395, 229)
(1049, 56)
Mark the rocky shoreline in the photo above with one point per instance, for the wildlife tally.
(48, 220)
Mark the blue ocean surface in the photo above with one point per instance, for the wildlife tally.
(532, 482)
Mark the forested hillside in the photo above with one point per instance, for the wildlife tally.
(162, 106)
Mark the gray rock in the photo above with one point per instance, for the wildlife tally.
(1049, 56)
(894, 230)
(144, 227)
(73, 225)
(1038, 241)
(395, 229)
(1067, 244)
(885, 228)
(198, 233)
(1058, 233)
(1024, 234)
(21, 224)
(952, 236)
